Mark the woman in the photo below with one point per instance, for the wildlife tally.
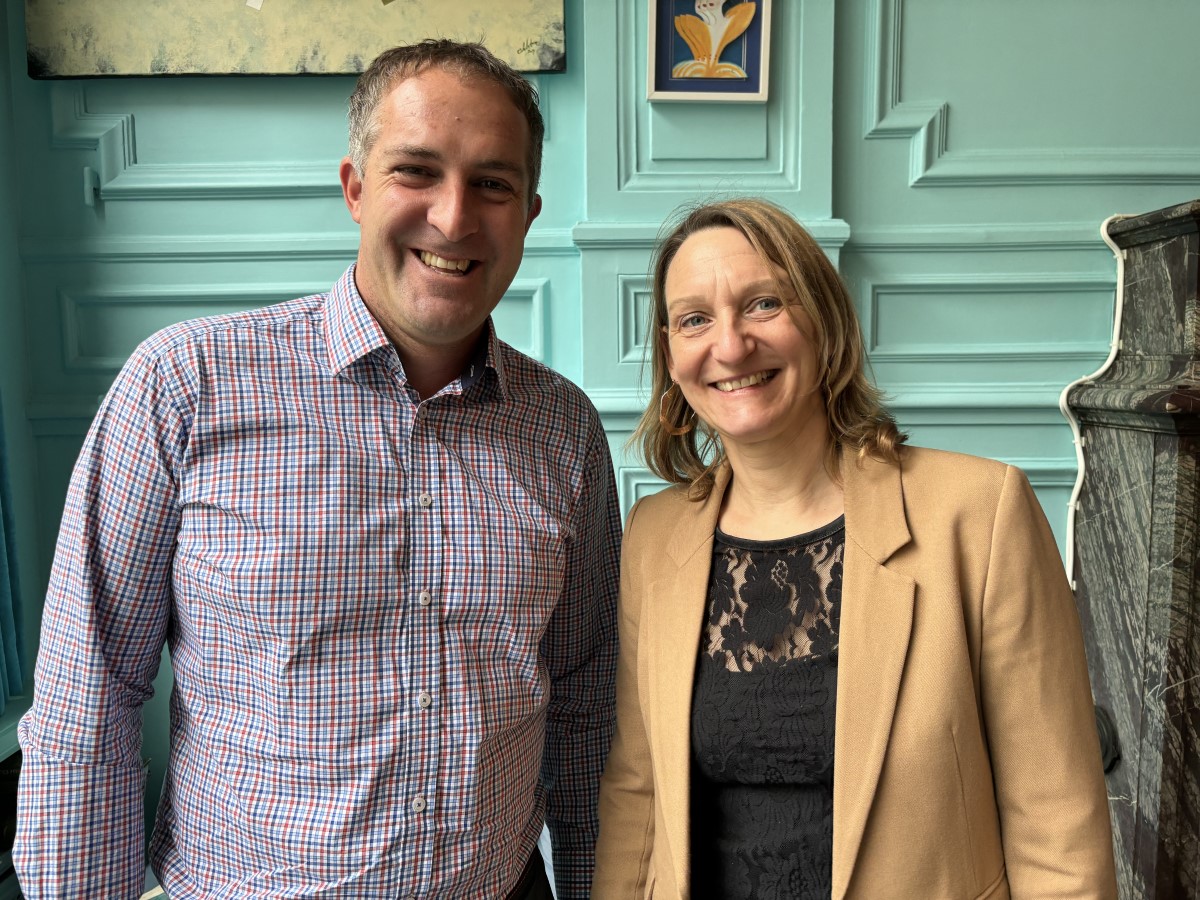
(848, 667)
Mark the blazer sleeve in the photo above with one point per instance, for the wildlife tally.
(627, 786)
(1038, 712)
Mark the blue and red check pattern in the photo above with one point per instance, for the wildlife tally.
(392, 624)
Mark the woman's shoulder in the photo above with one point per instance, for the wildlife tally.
(944, 479)
(665, 506)
(926, 462)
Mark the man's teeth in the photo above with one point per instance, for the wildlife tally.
(757, 378)
(446, 265)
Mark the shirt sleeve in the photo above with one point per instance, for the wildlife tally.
(1038, 711)
(80, 826)
(580, 650)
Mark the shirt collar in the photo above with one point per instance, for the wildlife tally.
(351, 333)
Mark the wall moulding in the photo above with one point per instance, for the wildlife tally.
(522, 317)
(335, 245)
(831, 234)
(115, 173)
(1007, 403)
(620, 408)
(885, 347)
(632, 314)
(975, 238)
(642, 165)
(932, 164)
(634, 483)
(91, 318)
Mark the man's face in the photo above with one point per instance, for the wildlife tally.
(442, 205)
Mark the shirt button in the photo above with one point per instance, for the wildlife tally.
(426, 500)
(425, 598)
(424, 700)
(418, 804)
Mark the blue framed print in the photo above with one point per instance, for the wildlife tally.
(709, 50)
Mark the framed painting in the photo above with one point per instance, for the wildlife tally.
(97, 38)
(710, 50)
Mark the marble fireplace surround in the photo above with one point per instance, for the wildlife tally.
(1135, 551)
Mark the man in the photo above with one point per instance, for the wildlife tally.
(380, 543)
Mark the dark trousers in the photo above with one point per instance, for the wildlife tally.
(533, 884)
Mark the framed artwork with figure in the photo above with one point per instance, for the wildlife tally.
(708, 50)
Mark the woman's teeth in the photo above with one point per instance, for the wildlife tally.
(446, 265)
(757, 378)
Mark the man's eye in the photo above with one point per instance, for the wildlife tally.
(490, 184)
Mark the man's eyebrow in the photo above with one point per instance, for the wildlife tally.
(501, 165)
(412, 151)
(416, 151)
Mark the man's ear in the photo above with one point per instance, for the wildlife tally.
(351, 188)
(534, 209)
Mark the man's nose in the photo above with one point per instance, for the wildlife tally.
(452, 211)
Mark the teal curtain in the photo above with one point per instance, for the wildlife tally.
(12, 642)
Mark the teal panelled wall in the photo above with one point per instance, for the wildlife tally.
(977, 149)
(955, 158)
(13, 374)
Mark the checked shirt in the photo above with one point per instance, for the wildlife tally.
(391, 623)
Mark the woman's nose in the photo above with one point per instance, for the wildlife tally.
(734, 340)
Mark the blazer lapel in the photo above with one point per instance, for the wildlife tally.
(876, 621)
(676, 610)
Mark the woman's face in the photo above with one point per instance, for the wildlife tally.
(743, 364)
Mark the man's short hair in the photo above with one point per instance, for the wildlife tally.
(466, 60)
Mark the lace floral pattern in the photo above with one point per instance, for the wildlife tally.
(763, 718)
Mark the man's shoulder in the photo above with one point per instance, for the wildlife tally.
(253, 325)
(531, 382)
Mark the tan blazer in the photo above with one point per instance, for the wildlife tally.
(967, 760)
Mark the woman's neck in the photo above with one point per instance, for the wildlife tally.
(776, 495)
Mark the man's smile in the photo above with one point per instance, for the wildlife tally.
(441, 264)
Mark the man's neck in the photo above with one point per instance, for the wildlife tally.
(429, 369)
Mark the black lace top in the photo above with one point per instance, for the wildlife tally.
(763, 716)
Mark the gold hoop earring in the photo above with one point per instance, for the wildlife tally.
(664, 419)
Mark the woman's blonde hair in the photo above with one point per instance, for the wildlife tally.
(854, 406)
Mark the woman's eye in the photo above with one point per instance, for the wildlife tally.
(693, 321)
(767, 304)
